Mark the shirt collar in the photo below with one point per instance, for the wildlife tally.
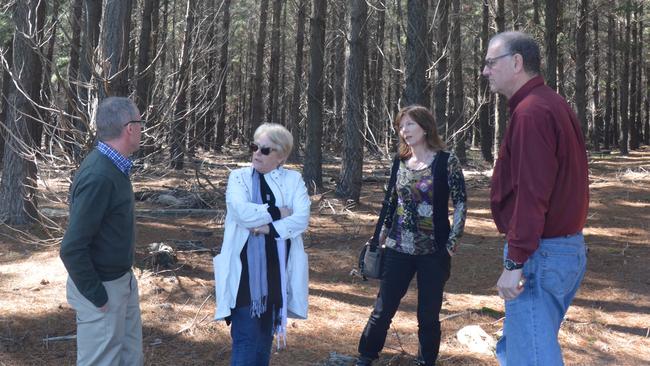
(524, 91)
(122, 163)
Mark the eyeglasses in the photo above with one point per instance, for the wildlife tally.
(128, 123)
(264, 150)
(490, 62)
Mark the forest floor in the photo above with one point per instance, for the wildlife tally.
(608, 323)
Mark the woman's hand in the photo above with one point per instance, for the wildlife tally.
(285, 211)
(264, 229)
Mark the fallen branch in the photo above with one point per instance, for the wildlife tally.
(179, 212)
(455, 315)
(195, 316)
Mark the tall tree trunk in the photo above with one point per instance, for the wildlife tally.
(88, 58)
(581, 65)
(375, 76)
(560, 54)
(146, 71)
(75, 120)
(312, 170)
(458, 108)
(257, 100)
(597, 129)
(115, 33)
(516, 16)
(349, 185)
(295, 116)
(536, 12)
(339, 75)
(223, 76)
(485, 99)
(634, 132)
(624, 81)
(551, 43)
(442, 76)
(609, 80)
(274, 91)
(7, 87)
(639, 79)
(635, 96)
(416, 57)
(646, 129)
(501, 119)
(178, 133)
(18, 185)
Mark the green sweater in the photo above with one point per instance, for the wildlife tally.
(99, 244)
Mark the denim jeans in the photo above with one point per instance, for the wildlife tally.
(398, 269)
(553, 274)
(252, 338)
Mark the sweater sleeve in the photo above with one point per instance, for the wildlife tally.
(89, 201)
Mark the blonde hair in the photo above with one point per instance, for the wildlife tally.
(279, 136)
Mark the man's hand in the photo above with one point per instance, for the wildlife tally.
(285, 211)
(511, 284)
(264, 229)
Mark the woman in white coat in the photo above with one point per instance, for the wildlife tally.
(261, 274)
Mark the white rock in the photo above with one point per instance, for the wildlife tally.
(476, 339)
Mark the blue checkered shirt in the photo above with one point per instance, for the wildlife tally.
(122, 163)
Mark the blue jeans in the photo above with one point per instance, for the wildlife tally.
(553, 274)
(252, 338)
(398, 269)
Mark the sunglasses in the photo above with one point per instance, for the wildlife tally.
(264, 150)
(128, 123)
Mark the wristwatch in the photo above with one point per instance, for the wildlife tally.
(510, 265)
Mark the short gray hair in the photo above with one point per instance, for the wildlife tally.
(112, 114)
(525, 45)
(279, 136)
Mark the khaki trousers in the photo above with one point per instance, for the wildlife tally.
(113, 337)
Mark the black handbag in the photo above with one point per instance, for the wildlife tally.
(371, 254)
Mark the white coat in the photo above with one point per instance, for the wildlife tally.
(289, 190)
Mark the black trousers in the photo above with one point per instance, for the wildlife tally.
(432, 272)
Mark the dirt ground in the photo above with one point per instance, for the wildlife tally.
(608, 324)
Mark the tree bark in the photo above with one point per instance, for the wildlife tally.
(257, 100)
(7, 88)
(624, 81)
(551, 43)
(274, 69)
(312, 169)
(349, 185)
(416, 57)
(597, 129)
(295, 116)
(609, 77)
(146, 69)
(115, 33)
(457, 109)
(500, 118)
(581, 65)
(485, 99)
(442, 76)
(18, 185)
(179, 128)
(223, 77)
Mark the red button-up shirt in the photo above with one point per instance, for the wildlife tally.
(540, 184)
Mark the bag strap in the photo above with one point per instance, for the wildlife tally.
(374, 241)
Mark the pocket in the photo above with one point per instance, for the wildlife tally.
(560, 271)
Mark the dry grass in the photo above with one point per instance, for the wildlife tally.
(607, 325)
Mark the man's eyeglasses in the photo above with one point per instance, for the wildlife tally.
(128, 123)
(490, 62)
(264, 150)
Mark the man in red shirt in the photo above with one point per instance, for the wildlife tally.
(539, 199)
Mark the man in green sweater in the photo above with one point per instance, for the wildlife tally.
(98, 247)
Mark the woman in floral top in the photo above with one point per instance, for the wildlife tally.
(418, 239)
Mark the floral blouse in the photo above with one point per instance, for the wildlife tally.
(412, 226)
